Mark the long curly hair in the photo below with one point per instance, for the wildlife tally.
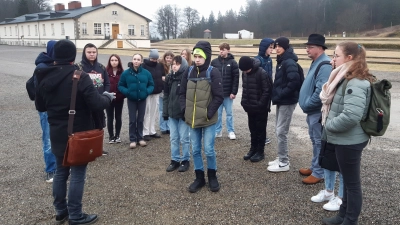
(167, 67)
(188, 54)
(359, 68)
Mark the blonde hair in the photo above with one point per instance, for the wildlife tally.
(188, 54)
(359, 68)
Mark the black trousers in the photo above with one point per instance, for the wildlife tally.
(115, 109)
(257, 125)
(349, 160)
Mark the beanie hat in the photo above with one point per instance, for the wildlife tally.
(245, 63)
(283, 42)
(154, 54)
(199, 51)
(64, 51)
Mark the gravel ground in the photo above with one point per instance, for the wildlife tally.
(132, 187)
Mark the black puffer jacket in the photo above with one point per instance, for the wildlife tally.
(157, 72)
(230, 73)
(287, 79)
(256, 91)
(200, 71)
(54, 96)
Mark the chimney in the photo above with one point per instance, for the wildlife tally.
(96, 3)
(74, 5)
(59, 7)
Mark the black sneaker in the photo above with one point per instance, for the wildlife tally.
(111, 140)
(50, 177)
(257, 157)
(146, 137)
(60, 219)
(85, 219)
(184, 166)
(155, 135)
(173, 166)
(105, 153)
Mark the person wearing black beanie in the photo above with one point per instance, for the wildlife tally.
(285, 95)
(256, 102)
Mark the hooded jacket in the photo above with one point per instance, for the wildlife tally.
(54, 96)
(157, 72)
(309, 100)
(136, 85)
(97, 73)
(287, 79)
(230, 73)
(256, 91)
(171, 104)
(199, 111)
(265, 61)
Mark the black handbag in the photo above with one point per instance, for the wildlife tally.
(327, 157)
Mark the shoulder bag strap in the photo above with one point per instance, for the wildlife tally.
(71, 112)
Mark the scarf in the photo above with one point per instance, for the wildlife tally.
(329, 88)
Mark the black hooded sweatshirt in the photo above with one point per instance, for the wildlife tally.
(200, 71)
(157, 72)
(54, 96)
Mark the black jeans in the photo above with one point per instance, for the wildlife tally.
(136, 118)
(349, 160)
(117, 108)
(257, 125)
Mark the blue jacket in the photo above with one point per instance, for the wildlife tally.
(309, 100)
(287, 79)
(136, 85)
(265, 60)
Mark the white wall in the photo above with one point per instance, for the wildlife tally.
(230, 36)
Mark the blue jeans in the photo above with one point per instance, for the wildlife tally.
(75, 190)
(315, 130)
(179, 135)
(227, 104)
(208, 136)
(330, 179)
(164, 125)
(49, 158)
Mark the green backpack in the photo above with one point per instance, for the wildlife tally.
(377, 119)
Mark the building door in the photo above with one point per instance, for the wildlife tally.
(120, 44)
(107, 30)
(115, 31)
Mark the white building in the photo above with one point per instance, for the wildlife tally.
(109, 25)
(241, 34)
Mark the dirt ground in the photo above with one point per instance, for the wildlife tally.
(132, 187)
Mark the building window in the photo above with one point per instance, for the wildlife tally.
(84, 28)
(97, 28)
(52, 29)
(36, 30)
(131, 29)
(16, 31)
(29, 30)
(142, 30)
(62, 29)
(44, 29)
(114, 12)
(5, 31)
(22, 30)
(10, 31)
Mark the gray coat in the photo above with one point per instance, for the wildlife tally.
(342, 126)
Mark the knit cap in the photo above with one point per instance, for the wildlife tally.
(245, 63)
(154, 54)
(283, 42)
(64, 51)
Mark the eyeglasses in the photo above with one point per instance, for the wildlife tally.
(310, 47)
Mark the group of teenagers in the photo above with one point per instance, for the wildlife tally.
(191, 91)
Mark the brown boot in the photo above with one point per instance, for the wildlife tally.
(305, 171)
(312, 180)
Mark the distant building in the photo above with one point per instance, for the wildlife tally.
(110, 25)
(207, 34)
(241, 34)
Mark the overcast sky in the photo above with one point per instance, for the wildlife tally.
(148, 8)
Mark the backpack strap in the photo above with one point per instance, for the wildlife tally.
(190, 70)
(345, 81)
(319, 67)
(208, 74)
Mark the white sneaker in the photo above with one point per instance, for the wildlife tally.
(232, 135)
(323, 196)
(278, 167)
(333, 204)
(218, 135)
(132, 145)
(276, 161)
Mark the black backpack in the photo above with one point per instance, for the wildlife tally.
(301, 73)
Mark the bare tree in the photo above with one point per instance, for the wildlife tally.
(176, 20)
(191, 17)
(165, 21)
